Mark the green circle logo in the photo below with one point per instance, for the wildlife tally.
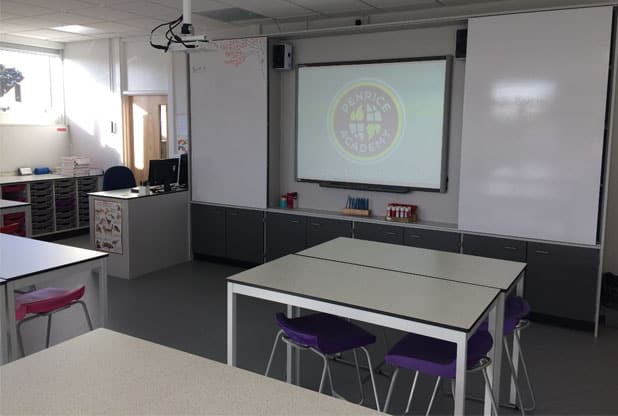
(366, 120)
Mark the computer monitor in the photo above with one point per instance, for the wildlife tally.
(183, 170)
(163, 172)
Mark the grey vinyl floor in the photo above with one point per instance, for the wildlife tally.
(184, 307)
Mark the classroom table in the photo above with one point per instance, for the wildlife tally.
(503, 275)
(437, 308)
(25, 262)
(107, 373)
(4, 350)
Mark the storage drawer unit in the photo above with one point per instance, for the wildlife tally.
(65, 204)
(244, 232)
(14, 192)
(320, 230)
(15, 218)
(377, 232)
(561, 281)
(42, 207)
(285, 234)
(432, 239)
(85, 186)
(494, 247)
(208, 230)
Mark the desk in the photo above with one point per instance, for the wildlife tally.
(436, 308)
(480, 271)
(11, 208)
(151, 231)
(107, 373)
(4, 350)
(24, 262)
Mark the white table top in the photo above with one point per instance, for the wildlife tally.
(438, 302)
(127, 194)
(34, 178)
(21, 257)
(107, 373)
(5, 203)
(474, 270)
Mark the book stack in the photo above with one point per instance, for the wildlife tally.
(75, 166)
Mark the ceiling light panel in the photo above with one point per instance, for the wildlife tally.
(276, 9)
(334, 7)
(104, 13)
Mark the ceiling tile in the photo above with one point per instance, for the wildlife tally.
(141, 22)
(112, 27)
(47, 34)
(146, 9)
(22, 9)
(276, 9)
(4, 16)
(401, 4)
(334, 7)
(58, 5)
(104, 13)
(11, 28)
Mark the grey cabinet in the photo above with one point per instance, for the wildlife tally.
(244, 235)
(432, 239)
(377, 232)
(494, 247)
(285, 234)
(561, 281)
(320, 230)
(208, 230)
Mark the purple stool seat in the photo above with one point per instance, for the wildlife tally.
(434, 356)
(515, 309)
(326, 333)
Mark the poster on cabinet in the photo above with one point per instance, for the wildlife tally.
(108, 226)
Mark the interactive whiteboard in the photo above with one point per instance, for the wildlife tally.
(533, 124)
(229, 121)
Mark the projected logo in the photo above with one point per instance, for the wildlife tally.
(366, 120)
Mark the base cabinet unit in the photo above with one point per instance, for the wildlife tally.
(208, 230)
(321, 230)
(244, 235)
(494, 247)
(432, 239)
(376, 232)
(561, 281)
(285, 234)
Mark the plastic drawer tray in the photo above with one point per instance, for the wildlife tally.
(15, 217)
(13, 188)
(40, 186)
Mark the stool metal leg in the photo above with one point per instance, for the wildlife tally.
(47, 336)
(86, 313)
(526, 375)
(373, 379)
(412, 392)
(492, 397)
(514, 378)
(360, 381)
(390, 389)
(433, 395)
(272, 352)
(323, 378)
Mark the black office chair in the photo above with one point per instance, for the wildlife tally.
(118, 177)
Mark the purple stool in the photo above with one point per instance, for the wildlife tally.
(437, 358)
(325, 335)
(515, 310)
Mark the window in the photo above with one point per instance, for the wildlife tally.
(31, 87)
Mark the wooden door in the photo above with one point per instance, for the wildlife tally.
(147, 132)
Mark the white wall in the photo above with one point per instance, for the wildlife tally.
(93, 100)
(31, 146)
(441, 207)
(147, 69)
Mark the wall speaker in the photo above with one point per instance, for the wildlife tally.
(461, 43)
(282, 56)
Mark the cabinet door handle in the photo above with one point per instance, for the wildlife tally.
(233, 213)
(510, 248)
(391, 233)
(316, 224)
(414, 236)
(544, 252)
(295, 221)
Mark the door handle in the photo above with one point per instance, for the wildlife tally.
(316, 224)
(414, 236)
(510, 248)
(295, 221)
(544, 252)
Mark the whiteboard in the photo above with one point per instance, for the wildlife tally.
(229, 121)
(533, 121)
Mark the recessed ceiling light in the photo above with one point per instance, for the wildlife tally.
(79, 29)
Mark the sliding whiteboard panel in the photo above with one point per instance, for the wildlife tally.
(533, 121)
(229, 121)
